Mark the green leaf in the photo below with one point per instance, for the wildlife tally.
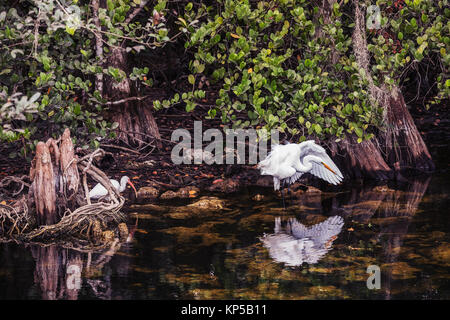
(318, 128)
(70, 30)
(191, 79)
(359, 132)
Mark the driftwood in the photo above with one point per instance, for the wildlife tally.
(58, 203)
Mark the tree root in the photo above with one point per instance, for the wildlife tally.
(85, 222)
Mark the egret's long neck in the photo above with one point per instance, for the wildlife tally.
(307, 163)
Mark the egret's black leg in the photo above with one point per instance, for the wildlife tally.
(282, 197)
(290, 194)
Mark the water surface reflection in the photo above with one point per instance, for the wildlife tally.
(297, 243)
(239, 248)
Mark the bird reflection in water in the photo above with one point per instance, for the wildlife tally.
(296, 243)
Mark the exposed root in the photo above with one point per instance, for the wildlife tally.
(22, 181)
(17, 223)
(78, 222)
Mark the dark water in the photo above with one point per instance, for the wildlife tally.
(248, 247)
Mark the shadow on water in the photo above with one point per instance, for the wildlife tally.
(248, 247)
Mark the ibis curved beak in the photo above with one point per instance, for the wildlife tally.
(326, 166)
(132, 185)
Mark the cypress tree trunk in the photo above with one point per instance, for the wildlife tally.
(135, 119)
(361, 160)
(403, 146)
(55, 179)
(43, 187)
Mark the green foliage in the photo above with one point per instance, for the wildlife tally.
(278, 65)
(271, 62)
(49, 65)
(412, 32)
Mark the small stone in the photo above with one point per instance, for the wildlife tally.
(168, 195)
(313, 190)
(226, 186)
(258, 197)
(212, 203)
(148, 193)
(188, 192)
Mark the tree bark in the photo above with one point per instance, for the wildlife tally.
(135, 119)
(360, 160)
(68, 166)
(404, 147)
(55, 178)
(43, 185)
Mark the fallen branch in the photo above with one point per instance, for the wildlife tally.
(112, 103)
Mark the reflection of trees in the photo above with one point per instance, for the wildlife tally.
(297, 243)
(393, 211)
(390, 210)
(51, 275)
(398, 204)
(59, 269)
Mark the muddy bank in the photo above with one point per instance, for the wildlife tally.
(155, 175)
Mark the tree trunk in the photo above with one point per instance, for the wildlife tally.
(69, 169)
(405, 148)
(404, 144)
(43, 186)
(360, 160)
(135, 119)
(55, 178)
(353, 157)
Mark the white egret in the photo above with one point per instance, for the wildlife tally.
(287, 163)
(99, 190)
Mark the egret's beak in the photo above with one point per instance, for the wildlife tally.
(325, 165)
(132, 185)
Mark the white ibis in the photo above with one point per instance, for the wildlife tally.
(99, 190)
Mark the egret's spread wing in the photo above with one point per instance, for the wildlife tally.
(320, 233)
(297, 175)
(320, 169)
